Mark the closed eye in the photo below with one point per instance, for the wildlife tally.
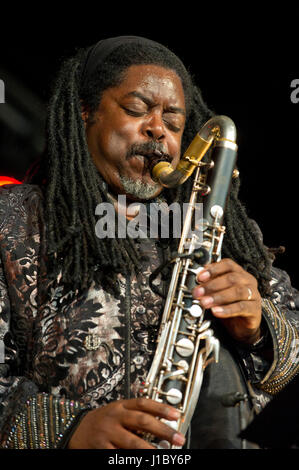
(131, 112)
(170, 117)
(172, 127)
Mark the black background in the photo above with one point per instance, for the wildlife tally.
(244, 61)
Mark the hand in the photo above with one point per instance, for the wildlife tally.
(114, 426)
(232, 295)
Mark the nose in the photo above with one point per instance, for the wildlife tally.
(154, 127)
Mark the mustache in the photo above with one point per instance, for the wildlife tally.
(149, 150)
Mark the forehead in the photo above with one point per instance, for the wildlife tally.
(154, 81)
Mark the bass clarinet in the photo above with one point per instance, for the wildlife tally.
(186, 343)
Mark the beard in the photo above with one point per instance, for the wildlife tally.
(139, 189)
(136, 187)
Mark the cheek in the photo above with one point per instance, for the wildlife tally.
(119, 140)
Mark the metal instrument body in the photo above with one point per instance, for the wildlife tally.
(186, 343)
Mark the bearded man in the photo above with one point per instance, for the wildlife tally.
(79, 320)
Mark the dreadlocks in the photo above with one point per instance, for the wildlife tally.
(73, 187)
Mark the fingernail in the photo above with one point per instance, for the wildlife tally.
(217, 310)
(207, 301)
(199, 291)
(178, 439)
(175, 414)
(204, 276)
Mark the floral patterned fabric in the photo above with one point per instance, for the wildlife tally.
(73, 347)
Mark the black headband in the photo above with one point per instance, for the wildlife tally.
(97, 53)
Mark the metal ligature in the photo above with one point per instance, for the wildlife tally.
(186, 343)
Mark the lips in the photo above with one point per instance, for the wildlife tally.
(139, 163)
(151, 156)
(143, 161)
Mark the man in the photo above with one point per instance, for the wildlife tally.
(78, 318)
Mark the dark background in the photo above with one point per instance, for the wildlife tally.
(244, 61)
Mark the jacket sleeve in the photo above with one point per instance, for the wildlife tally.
(29, 419)
(280, 313)
(273, 361)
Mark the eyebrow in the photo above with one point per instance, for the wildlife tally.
(149, 102)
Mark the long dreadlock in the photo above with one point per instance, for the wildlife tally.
(73, 187)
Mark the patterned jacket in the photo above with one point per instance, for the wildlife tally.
(65, 355)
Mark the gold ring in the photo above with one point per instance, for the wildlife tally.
(249, 294)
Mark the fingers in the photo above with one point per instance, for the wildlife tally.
(214, 270)
(124, 423)
(142, 416)
(153, 407)
(146, 423)
(232, 295)
(229, 281)
(228, 290)
(110, 446)
(117, 425)
(213, 296)
(236, 309)
(124, 439)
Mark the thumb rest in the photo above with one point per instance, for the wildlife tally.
(186, 344)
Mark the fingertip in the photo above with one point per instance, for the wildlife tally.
(217, 310)
(203, 276)
(172, 413)
(198, 292)
(178, 439)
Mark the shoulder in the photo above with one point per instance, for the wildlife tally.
(282, 290)
(21, 206)
(19, 192)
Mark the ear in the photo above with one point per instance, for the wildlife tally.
(84, 114)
